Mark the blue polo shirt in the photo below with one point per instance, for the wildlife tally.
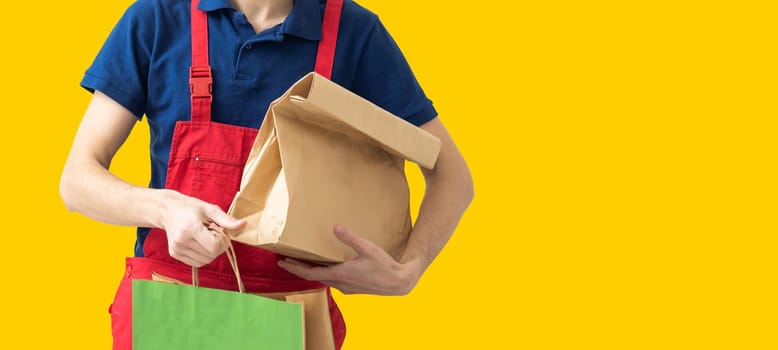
(144, 66)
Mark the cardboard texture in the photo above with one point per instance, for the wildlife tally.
(170, 316)
(326, 156)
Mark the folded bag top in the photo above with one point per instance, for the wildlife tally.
(325, 156)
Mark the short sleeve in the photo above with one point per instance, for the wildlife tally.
(121, 68)
(385, 78)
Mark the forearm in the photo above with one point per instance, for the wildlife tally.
(89, 188)
(448, 194)
(445, 200)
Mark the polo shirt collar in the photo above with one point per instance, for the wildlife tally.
(212, 5)
(304, 21)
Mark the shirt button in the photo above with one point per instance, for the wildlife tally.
(248, 46)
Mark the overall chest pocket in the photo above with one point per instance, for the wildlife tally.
(216, 179)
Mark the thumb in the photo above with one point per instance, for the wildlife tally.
(224, 220)
(360, 245)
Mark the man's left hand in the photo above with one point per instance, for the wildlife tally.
(373, 271)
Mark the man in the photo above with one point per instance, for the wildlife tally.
(248, 52)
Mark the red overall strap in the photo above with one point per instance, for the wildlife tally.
(325, 57)
(200, 78)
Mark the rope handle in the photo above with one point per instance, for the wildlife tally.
(225, 241)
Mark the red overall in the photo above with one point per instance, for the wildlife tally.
(206, 162)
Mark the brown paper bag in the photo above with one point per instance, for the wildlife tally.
(318, 324)
(326, 156)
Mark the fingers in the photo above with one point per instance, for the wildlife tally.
(196, 248)
(333, 276)
(305, 270)
(224, 220)
(205, 239)
(360, 245)
(187, 223)
(189, 256)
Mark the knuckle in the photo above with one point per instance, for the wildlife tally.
(219, 247)
(175, 254)
(340, 275)
(369, 248)
(212, 209)
(214, 248)
(311, 276)
(178, 240)
(304, 274)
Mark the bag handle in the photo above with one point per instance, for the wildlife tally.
(218, 232)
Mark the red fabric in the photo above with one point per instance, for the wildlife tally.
(200, 78)
(325, 56)
(141, 268)
(199, 36)
(206, 162)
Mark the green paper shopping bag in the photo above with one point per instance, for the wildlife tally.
(171, 316)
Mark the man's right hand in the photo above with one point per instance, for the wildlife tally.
(88, 187)
(185, 220)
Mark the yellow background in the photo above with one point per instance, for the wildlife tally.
(624, 155)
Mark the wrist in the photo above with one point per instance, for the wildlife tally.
(157, 202)
(410, 273)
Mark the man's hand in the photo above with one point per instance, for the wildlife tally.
(186, 220)
(373, 271)
(89, 188)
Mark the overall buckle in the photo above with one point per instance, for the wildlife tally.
(201, 83)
